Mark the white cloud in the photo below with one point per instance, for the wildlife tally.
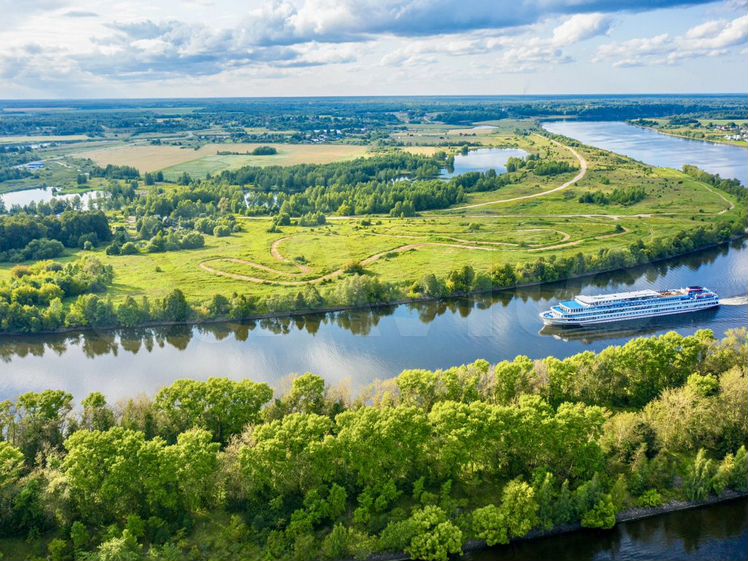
(580, 27)
(708, 39)
(86, 42)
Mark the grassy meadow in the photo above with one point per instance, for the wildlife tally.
(401, 250)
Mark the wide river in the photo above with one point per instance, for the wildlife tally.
(655, 148)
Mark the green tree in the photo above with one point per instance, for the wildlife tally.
(436, 538)
(219, 405)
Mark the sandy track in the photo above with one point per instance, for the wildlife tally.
(471, 245)
(278, 256)
(582, 172)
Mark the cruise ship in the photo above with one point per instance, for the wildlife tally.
(606, 308)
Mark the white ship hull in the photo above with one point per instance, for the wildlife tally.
(576, 322)
(613, 308)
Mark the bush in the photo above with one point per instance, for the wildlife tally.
(650, 499)
(129, 248)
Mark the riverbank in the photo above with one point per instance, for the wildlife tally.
(630, 515)
(290, 314)
(718, 142)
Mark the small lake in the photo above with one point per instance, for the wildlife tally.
(483, 159)
(717, 532)
(355, 348)
(43, 194)
(655, 148)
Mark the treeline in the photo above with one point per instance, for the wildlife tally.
(21, 234)
(539, 167)
(731, 186)
(10, 173)
(626, 196)
(356, 289)
(402, 197)
(422, 463)
(465, 280)
(33, 299)
(294, 179)
(111, 171)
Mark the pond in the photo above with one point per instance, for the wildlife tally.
(43, 194)
(655, 148)
(483, 159)
(355, 348)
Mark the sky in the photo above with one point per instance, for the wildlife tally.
(218, 48)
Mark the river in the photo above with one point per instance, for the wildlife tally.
(355, 348)
(718, 532)
(655, 148)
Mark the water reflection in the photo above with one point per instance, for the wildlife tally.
(46, 194)
(483, 159)
(360, 346)
(715, 532)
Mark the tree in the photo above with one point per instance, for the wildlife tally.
(195, 457)
(175, 307)
(96, 413)
(219, 405)
(517, 515)
(11, 465)
(41, 422)
(436, 538)
(292, 455)
(112, 474)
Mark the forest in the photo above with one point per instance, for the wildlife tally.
(422, 463)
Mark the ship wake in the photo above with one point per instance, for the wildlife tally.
(734, 301)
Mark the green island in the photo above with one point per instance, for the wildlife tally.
(425, 463)
(375, 227)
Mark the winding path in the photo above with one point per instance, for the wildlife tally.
(582, 172)
(463, 244)
(469, 245)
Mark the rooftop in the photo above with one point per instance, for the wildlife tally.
(595, 300)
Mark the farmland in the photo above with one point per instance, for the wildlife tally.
(174, 160)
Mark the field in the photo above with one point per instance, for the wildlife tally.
(518, 223)
(175, 160)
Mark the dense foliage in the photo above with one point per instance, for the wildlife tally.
(422, 463)
(21, 235)
(625, 197)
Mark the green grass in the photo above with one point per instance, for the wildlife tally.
(553, 225)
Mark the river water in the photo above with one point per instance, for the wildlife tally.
(715, 533)
(358, 347)
(655, 148)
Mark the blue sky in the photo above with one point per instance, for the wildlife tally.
(204, 48)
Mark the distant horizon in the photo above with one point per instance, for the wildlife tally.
(386, 96)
